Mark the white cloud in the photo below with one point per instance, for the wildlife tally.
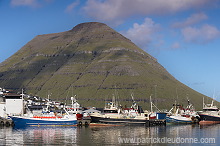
(204, 34)
(193, 19)
(72, 6)
(114, 10)
(32, 3)
(175, 45)
(143, 34)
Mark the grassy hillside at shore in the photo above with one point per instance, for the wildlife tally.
(94, 62)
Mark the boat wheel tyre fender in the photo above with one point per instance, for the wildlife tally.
(7, 124)
(12, 124)
(86, 124)
(80, 123)
(198, 118)
(2, 123)
(193, 118)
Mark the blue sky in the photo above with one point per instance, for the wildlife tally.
(184, 36)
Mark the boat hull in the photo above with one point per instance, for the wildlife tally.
(124, 121)
(178, 120)
(209, 122)
(23, 121)
(209, 119)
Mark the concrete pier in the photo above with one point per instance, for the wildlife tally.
(156, 122)
(83, 122)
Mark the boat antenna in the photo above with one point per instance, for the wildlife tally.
(151, 106)
(116, 98)
(73, 99)
(48, 96)
(213, 97)
(67, 96)
(22, 94)
(22, 97)
(203, 102)
(212, 102)
(177, 95)
(175, 107)
(72, 89)
(105, 102)
(134, 103)
(132, 97)
(155, 94)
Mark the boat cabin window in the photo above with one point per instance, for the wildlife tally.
(211, 109)
(110, 111)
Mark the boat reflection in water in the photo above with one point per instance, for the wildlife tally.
(101, 135)
(39, 136)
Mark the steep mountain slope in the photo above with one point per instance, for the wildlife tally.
(92, 61)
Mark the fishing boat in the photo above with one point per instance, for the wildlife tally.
(179, 115)
(75, 108)
(210, 114)
(83, 117)
(114, 114)
(46, 118)
(156, 113)
(66, 120)
(119, 118)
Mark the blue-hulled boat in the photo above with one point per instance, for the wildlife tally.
(179, 119)
(67, 120)
(46, 118)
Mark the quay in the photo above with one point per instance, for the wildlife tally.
(126, 122)
(104, 125)
(83, 123)
(156, 122)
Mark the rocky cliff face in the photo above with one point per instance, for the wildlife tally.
(92, 61)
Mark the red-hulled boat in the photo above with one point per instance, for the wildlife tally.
(209, 115)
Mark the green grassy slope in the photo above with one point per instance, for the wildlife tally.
(92, 61)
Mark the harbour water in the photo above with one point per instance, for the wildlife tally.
(112, 135)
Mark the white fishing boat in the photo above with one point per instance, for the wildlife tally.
(75, 109)
(178, 114)
(114, 114)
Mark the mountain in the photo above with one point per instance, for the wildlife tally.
(94, 62)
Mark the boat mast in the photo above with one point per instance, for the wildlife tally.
(213, 98)
(203, 102)
(151, 106)
(73, 100)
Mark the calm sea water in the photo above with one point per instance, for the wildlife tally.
(120, 135)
